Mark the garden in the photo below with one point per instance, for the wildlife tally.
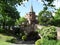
(49, 36)
(15, 27)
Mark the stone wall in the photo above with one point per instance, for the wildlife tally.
(58, 33)
(29, 28)
(33, 27)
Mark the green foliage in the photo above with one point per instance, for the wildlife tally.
(47, 4)
(39, 42)
(8, 12)
(57, 14)
(20, 21)
(12, 2)
(56, 20)
(2, 30)
(45, 42)
(24, 37)
(13, 40)
(48, 32)
(45, 17)
(8, 7)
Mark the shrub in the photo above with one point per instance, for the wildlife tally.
(2, 30)
(45, 42)
(13, 40)
(38, 42)
(48, 32)
(24, 37)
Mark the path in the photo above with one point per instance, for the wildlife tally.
(24, 43)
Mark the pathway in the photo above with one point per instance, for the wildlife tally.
(24, 43)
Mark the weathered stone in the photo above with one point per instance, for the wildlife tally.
(58, 33)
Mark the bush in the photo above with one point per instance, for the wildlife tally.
(48, 32)
(2, 30)
(13, 40)
(45, 42)
(24, 37)
(56, 22)
(39, 42)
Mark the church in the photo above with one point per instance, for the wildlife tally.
(30, 24)
(31, 16)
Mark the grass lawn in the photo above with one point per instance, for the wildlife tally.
(4, 38)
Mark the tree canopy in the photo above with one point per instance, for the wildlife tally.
(47, 4)
(57, 14)
(45, 17)
(56, 21)
(20, 21)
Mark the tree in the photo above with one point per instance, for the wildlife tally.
(7, 8)
(56, 21)
(47, 4)
(57, 14)
(12, 2)
(20, 21)
(45, 17)
(8, 11)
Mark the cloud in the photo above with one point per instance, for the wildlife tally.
(57, 3)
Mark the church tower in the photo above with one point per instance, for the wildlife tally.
(31, 9)
(31, 17)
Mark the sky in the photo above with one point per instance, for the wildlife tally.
(37, 6)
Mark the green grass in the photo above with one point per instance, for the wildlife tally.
(4, 38)
(4, 43)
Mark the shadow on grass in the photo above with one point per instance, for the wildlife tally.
(16, 41)
(21, 42)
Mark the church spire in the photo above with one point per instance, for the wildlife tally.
(31, 9)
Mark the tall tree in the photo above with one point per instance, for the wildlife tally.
(56, 21)
(7, 8)
(57, 14)
(12, 2)
(48, 3)
(45, 17)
